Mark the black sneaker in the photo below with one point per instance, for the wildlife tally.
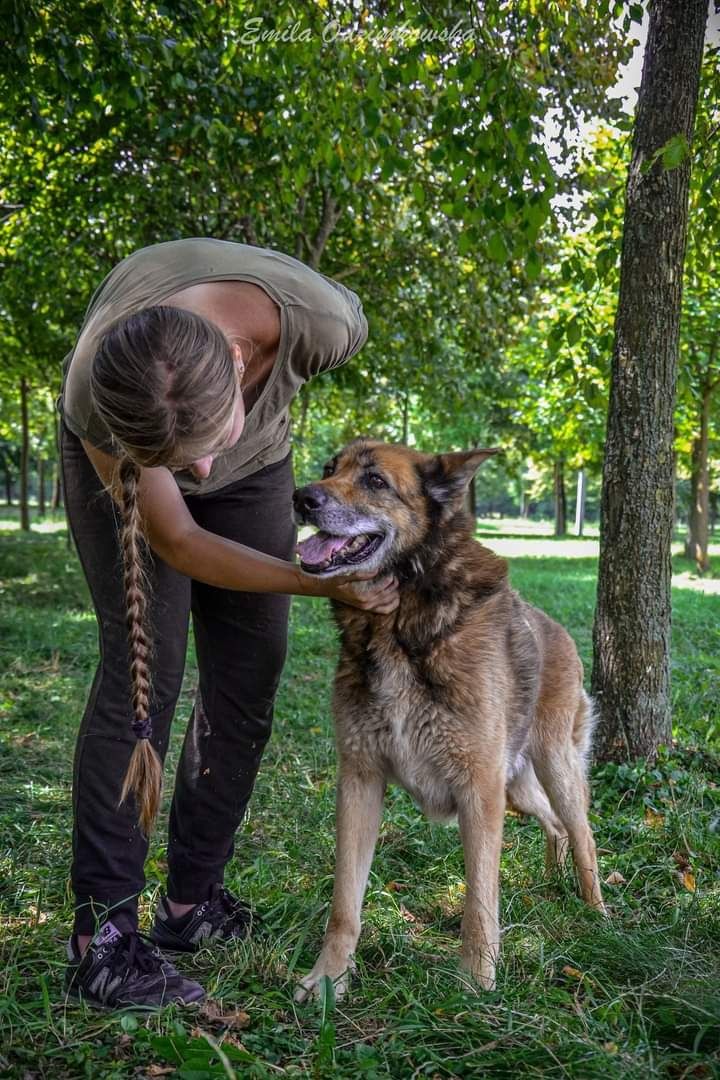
(222, 917)
(123, 971)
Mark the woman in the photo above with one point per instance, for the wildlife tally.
(176, 400)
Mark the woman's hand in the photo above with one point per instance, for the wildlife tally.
(364, 591)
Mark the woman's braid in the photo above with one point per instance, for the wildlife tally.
(144, 774)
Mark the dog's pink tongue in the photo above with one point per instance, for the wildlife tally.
(316, 549)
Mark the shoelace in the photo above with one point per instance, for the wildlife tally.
(138, 953)
(234, 909)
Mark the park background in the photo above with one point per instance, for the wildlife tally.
(463, 170)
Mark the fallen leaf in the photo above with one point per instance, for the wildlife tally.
(615, 878)
(571, 972)
(610, 1047)
(233, 1041)
(123, 1047)
(24, 740)
(406, 915)
(686, 879)
(233, 1018)
(159, 1070)
(653, 819)
(681, 860)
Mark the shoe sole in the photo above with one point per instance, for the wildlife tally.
(131, 1006)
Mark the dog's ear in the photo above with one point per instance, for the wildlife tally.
(446, 476)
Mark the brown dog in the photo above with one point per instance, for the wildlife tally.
(466, 695)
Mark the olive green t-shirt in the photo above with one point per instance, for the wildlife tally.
(321, 326)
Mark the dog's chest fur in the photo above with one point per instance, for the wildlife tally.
(423, 695)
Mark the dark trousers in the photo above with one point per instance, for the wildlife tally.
(240, 641)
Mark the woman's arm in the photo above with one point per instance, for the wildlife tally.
(175, 536)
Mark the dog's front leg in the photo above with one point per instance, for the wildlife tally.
(481, 811)
(359, 807)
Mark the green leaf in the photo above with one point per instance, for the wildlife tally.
(675, 151)
(573, 332)
(533, 265)
(496, 248)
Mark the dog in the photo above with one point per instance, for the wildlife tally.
(466, 695)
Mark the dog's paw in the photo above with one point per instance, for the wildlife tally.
(339, 973)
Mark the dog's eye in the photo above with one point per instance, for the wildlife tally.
(328, 470)
(376, 481)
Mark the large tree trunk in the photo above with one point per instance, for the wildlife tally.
(699, 518)
(560, 499)
(631, 636)
(24, 457)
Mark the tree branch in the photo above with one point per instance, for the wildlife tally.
(330, 215)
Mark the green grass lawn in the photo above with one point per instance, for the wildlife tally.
(636, 996)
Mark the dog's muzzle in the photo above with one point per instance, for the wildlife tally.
(343, 540)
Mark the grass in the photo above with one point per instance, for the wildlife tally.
(634, 997)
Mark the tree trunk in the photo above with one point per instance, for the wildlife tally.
(699, 518)
(304, 407)
(631, 635)
(41, 487)
(405, 418)
(24, 456)
(560, 499)
(580, 503)
(57, 497)
(8, 483)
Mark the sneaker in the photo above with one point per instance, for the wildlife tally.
(222, 917)
(123, 971)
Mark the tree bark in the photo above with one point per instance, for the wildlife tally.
(699, 518)
(405, 418)
(330, 216)
(580, 502)
(560, 499)
(41, 487)
(631, 635)
(57, 497)
(304, 407)
(24, 456)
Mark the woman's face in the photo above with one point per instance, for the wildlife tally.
(202, 466)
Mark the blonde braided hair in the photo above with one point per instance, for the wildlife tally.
(164, 382)
(144, 774)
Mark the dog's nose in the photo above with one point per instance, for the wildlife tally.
(308, 499)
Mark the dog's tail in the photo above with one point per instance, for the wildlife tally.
(586, 718)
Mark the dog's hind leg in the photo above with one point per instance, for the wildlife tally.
(359, 808)
(561, 771)
(481, 812)
(526, 795)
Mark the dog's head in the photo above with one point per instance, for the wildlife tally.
(377, 502)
